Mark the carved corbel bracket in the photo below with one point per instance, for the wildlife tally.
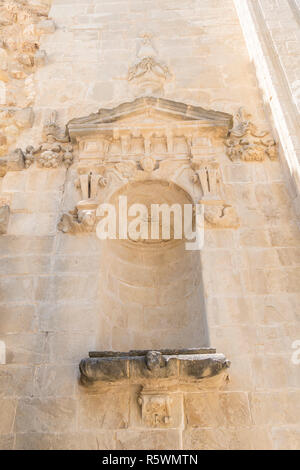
(162, 376)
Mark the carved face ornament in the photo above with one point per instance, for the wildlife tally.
(148, 164)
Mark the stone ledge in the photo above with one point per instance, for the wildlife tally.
(200, 367)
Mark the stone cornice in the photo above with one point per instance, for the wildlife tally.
(148, 106)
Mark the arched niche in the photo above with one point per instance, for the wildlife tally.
(151, 291)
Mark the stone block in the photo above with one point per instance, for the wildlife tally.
(16, 289)
(217, 409)
(148, 440)
(14, 245)
(7, 442)
(45, 27)
(16, 380)
(65, 441)
(46, 415)
(238, 438)
(18, 319)
(55, 381)
(66, 288)
(275, 408)
(24, 118)
(104, 411)
(76, 316)
(26, 348)
(8, 413)
(38, 224)
(26, 265)
(286, 438)
(71, 347)
(14, 181)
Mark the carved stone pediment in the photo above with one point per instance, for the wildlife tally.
(147, 139)
(151, 111)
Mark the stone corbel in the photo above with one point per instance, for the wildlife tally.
(162, 377)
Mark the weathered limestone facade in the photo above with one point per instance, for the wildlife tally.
(175, 101)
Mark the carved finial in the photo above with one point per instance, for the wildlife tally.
(148, 74)
(241, 124)
(50, 126)
(146, 48)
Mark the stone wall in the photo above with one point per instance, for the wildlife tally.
(271, 31)
(51, 303)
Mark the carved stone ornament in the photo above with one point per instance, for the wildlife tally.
(245, 143)
(156, 409)
(148, 74)
(148, 163)
(55, 150)
(149, 139)
(78, 221)
(221, 216)
(207, 174)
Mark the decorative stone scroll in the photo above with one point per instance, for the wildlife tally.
(245, 143)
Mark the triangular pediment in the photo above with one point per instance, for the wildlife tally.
(147, 110)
